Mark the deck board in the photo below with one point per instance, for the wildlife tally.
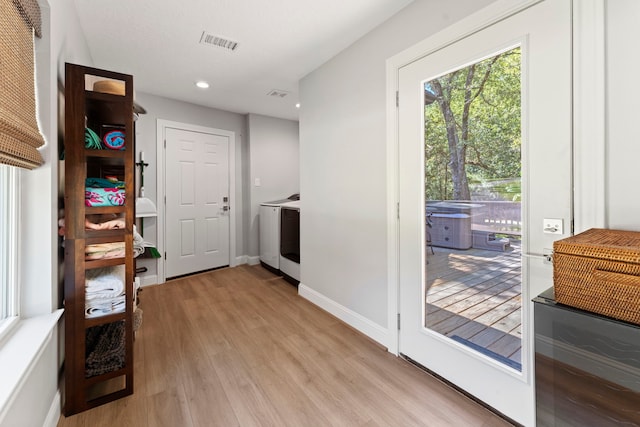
(475, 294)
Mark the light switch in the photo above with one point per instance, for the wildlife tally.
(552, 226)
(257, 182)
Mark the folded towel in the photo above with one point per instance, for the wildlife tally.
(114, 224)
(104, 283)
(104, 197)
(100, 307)
(103, 183)
(104, 251)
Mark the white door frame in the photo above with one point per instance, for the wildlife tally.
(161, 126)
(589, 123)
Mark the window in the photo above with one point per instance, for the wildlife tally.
(473, 180)
(9, 292)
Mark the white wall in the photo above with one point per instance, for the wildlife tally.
(274, 153)
(36, 393)
(623, 110)
(343, 162)
(168, 109)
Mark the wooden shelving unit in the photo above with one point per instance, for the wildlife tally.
(85, 389)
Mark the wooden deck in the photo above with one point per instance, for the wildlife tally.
(474, 297)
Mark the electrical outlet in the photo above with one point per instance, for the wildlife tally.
(552, 226)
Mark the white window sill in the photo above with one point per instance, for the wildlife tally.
(20, 350)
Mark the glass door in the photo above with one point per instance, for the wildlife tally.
(485, 157)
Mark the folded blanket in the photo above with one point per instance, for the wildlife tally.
(105, 348)
(104, 251)
(103, 183)
(104, 307)
(115, 224)
(104, 283)
(104, 196)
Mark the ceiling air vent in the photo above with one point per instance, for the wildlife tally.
(218, 41)
(278, 93)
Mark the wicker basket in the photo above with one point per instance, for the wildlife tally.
(599, 271)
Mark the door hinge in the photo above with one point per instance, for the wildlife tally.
(165, 144)
(165, 255)
(398, 210)
(397, 99)
(398, 321)
(573, 230)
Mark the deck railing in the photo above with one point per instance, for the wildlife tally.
(492, 216)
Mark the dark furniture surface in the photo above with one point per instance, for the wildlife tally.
(587, 367)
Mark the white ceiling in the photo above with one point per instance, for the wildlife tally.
(279, 42)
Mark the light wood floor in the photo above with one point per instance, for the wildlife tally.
(239, 347)
(476, 295)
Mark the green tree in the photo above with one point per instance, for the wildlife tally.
(472, 127)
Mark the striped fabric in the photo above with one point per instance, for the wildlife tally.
(20, 135)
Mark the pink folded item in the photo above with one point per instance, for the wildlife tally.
(115, 224)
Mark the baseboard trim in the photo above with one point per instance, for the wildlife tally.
(54, 411)
(246, 259)
(151, 279)
(350, 317)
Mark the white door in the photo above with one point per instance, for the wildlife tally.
(197, 201)
(542, 36)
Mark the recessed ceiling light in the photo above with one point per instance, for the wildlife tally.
(298, 105)
(202, 84)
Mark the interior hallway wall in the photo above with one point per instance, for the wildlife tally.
(343, 161)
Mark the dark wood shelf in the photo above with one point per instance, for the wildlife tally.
(99, 263)
(116, 154)
(103, 320)
(95, 110)
(107, 376)
(93, 237)
(91, 95)
(97, 210)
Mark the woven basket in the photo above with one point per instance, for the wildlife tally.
(599, 271)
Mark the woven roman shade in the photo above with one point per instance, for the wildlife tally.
(20, 136)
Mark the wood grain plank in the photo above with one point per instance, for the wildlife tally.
(239, 347)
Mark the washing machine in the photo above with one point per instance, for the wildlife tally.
(269, 234)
